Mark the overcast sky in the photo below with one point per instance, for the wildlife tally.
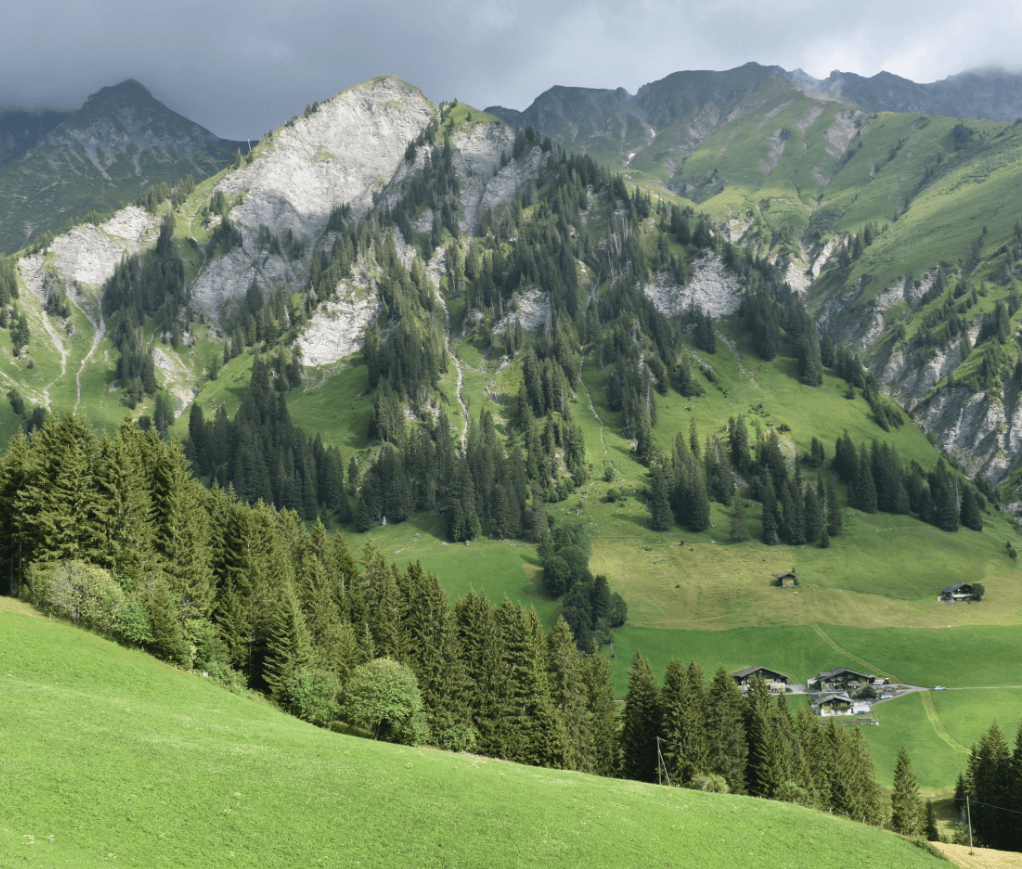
(243, 69)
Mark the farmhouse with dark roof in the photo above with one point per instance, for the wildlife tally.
(958, 591)
(834, 704)
(840, 679)
(775, 681)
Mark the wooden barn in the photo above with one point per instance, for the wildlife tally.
(786, 580)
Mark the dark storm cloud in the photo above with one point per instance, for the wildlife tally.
(244, 69)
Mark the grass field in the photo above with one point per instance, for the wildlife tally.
(113, 758)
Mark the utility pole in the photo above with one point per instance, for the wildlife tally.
(661, 764)
(968, 812)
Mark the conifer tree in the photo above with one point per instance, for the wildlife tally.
(534, 728)
(640, 723)
(770, 519)
(382, 602)
(796, 781)
(987, 782)
(969, 512)
(288, 644)
(683, 723)
(930, 827)
(906, 807)
(814, 524)
(182, 528)
(763, 766)
(432, 651)
(566, 677)
(725, 731)
(863, 487)
(659, 503)
(834, 519)
(738, 529)
(486, 671)
(167, 639)
(818, 752)
(604, 758)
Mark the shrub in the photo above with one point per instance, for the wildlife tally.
(382, 698)
(82, 593)
(310, 695)
(709, 783)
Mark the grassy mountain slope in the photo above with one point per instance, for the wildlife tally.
(158, 767)
(860, 209)
(691, 595)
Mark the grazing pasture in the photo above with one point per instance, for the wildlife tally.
(112, 756)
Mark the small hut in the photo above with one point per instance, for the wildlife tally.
(786, 580)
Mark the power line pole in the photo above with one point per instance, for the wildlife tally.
(661, 763)
(968, 812)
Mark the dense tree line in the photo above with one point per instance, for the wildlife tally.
(993, 783)
(492, 484)
(691, 733)
(11, 316)
(794, 510)
(115, 534)
(262, 455)
(590, 608)
(142, 286)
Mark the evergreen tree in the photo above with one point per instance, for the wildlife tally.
(288, 644)
(763, 771)
(988, 784)
(725, 731)
(486, 671)
(566, 677)
(814, 523)
(640, 723)
(817, 749)
(969, 512)
(834, 519)
(535, 730)
(906, 807)
(863, 487)
(738, 529)
(770, 518)
(930, 826)
(683, 723)
(433, 653)
(659, 503)
(605, 754)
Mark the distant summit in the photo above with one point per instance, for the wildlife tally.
(58, 165)
(127, 114)
(993, 94)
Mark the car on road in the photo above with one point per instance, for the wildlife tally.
(939, 688)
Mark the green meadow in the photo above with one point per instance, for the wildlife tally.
(121, 760)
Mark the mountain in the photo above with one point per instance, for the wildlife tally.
(59, 166)
(796, 170)
(423, 326)
(994, 94)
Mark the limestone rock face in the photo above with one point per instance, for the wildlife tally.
(89, 254)
(338, 327)
(713, 288)
(343, 153)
